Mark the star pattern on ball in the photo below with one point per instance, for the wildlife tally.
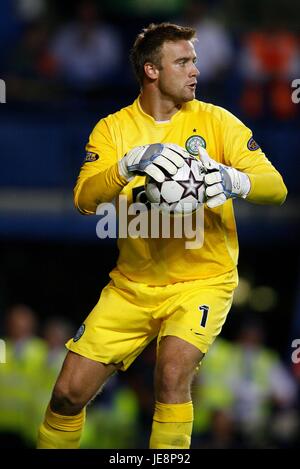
(191, 186)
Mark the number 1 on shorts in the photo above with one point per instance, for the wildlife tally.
(204, 309)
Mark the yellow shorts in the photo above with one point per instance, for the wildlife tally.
(130, 315)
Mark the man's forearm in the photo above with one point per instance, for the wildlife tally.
(102, 187)
(267, 188)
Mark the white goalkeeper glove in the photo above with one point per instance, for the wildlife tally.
(222, 182)
(153, 160)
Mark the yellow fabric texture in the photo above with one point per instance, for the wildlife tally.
(163, 261)
(129, 315)
(60, 431)
(172, 426)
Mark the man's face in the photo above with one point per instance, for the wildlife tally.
(178, 74)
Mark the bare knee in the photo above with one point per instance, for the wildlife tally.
(79, 381)
(67, 400)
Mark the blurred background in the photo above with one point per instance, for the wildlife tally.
(65, 65)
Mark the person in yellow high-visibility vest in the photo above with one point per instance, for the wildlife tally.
(18, 377)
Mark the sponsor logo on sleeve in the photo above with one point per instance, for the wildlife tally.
(252, 145)
(90, 157)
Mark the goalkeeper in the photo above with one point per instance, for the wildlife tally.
(159, 289)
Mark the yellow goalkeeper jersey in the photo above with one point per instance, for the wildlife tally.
(226, 139)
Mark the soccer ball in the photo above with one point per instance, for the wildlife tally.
(182, 193)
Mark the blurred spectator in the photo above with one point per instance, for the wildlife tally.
(30, 68)
(213, 48)
(88, 51)
(269, 60)
(21, 325)
(244, 386)
(24, 357)
(27, 377)
(56, 332)
(262, 386)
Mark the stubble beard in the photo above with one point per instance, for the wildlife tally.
(189, 96)
(183, 96)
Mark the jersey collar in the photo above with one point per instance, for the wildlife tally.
(173, 119)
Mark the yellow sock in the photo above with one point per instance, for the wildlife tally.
(60, 431)
(172, 426)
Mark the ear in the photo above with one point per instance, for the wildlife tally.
(151, 71)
